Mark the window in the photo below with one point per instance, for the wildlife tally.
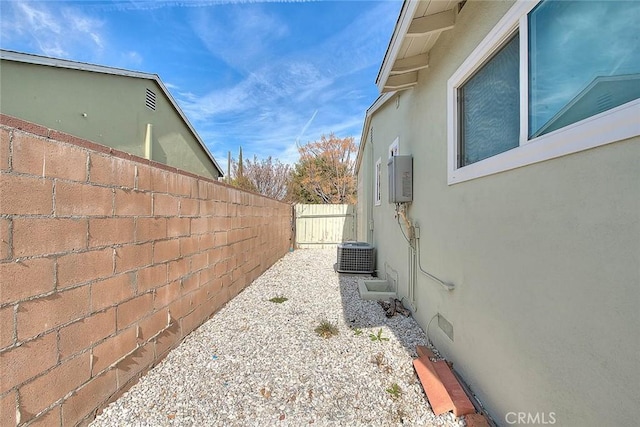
(376, 191)
(489, 105)
(552, 78)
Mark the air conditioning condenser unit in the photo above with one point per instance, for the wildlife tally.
(355, 257)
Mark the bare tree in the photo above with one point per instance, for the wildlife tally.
(269, 176)
(325, 172)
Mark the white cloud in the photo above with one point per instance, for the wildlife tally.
(52, 31)
(241, 36)
(285, 100)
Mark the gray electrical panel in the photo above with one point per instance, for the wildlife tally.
(400, 179)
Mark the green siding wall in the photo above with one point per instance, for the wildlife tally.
(544, 257)
(116, 115)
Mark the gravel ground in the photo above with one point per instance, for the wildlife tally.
(260, 363)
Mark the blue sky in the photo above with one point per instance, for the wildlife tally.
(262, 74)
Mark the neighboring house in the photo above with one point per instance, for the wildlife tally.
(126, 110)
(523, 123)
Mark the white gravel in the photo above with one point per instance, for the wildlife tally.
(260, 363)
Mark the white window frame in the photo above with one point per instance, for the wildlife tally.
(377, 184)
(394, 147)
(610, 126)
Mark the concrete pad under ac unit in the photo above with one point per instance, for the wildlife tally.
(375, 289)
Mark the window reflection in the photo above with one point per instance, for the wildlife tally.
(584, 58)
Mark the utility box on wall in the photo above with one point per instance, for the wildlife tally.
(400, 179)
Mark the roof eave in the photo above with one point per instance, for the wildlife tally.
(379, 102)
(402, 26)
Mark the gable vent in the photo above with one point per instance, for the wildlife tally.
(605, 102)
(150, 100)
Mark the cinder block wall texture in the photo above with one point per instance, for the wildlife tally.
(107, 261)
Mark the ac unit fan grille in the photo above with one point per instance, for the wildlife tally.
(355, 257)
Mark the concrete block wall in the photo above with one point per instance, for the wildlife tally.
(107, 261)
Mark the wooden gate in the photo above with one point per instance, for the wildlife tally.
(324, 226)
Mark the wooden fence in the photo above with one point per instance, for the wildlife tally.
(324, 226)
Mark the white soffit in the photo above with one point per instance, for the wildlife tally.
(419, 25)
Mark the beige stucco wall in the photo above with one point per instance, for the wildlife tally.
(116, 115)
(545, 258)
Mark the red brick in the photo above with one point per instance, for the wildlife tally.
(190, 283)
(436, 392)
(189, 207)
(179, 308)
(77, 268)
(112, 291)
(130, 257)
(135, 363)
(153, 324)
(199, 225)
(207, 275)
(113, 349)
(8, 406)
(83, 199)
(461, 403)
(5, 143)
(166, 294)
(66, 161)
(221, 268)
(206, 242)
(189, 245)
(143, 180)
(28, 153)
(23, 195)
(178, 268)
(131, 202)
(166, 250)
(150, 229)
(152, 277)
(133, 310)
(45, 236)
(174, 184)
(112, 171)
(191, 181)
(424, 351)
(199, 261)
(20, 364)
(7, 326)
(476, 420)
(194, 319)
(42, 314)
(48, 419)
(88, 398)
(220, 239)
(177, 227)
(47, 389)
(207, 207)
(48, 158)
(165, 205)
(110, 231)
(203, 188)
(86, 332)
(5, 238)
(167, 339)
(159, 180)
(26, 278)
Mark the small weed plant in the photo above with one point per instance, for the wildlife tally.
(357, 331)
(279, 299)
(326, 329)
(395, 391)
(378, 337)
